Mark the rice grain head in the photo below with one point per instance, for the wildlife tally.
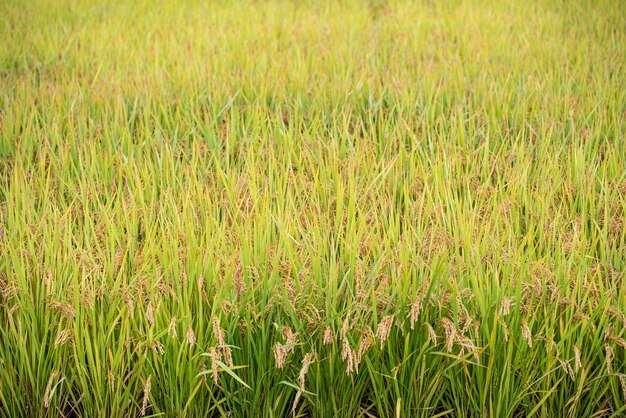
(416, 308)
(46, 397)
(150, 314)
(577, 362)
(294, 406)
(364, 345)
(190, 337)
(609, 355)
(567, 368)
(220, 335)
(111, 377)
(329, 336)
(527, 334)
(280, 355)
(309, 358)
(505, 330)
(505, 306)
(384, 328)
(214, 356)
(146, 396)
(62, 337)
(432, 336)
(171, 329)
(451, 332)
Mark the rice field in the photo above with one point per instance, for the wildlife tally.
(264, 208)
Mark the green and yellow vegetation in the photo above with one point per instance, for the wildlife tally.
(313, 208)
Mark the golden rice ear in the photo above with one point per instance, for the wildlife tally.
(450, 332)
(527, 333)
(47, 394)
(609, 355)
(308, 359)
(215, 356)
(328, 336)
(150, 314)
(111, 377)
(62, 337)
(146, 396)
(171, 329)
(190, 336)
(577, 361)
(280, 355)
(414, 312)
(384, 328)
(505, 306)
(432, 336)
(505, 330)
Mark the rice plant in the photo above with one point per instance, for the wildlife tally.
(265, 208)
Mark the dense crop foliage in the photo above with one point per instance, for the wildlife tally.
(317, 208)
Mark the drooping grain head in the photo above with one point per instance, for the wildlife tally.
(414, 312)
(306, 362)
(146, 396)
(46, 398)
(505, 306)
(450, 332)
(384, 328)
(220, 336)
(609, 355)
(432, 336)
(328, 336)
(190, 337)
(171, 329)
(150, 314)
(577, 361)
(214, 355)
(280, 355)
(527, 333)
(62, 337)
